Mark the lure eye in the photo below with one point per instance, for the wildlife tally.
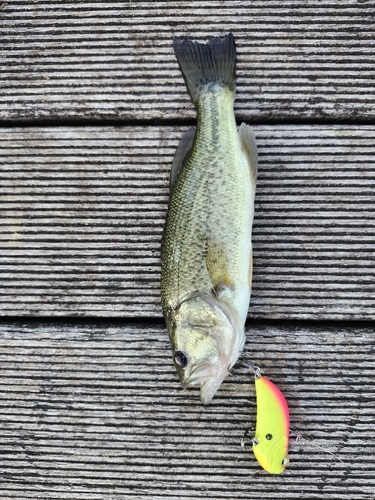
(180, 359)
(285, 461)
(269, 437)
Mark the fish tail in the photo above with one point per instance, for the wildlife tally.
(206, 65)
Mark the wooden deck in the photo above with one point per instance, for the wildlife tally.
(92, 107)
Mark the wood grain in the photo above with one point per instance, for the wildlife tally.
(91, 61)
(82, 213)
(93, 411)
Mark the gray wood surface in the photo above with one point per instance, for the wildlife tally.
(85, 61)
(94, 411)
(92, 106)
(82, 213)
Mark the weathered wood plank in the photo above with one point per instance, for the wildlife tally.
(82, 212)
(93, 411)
(113, 60)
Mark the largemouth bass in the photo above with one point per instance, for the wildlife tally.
(207, 254)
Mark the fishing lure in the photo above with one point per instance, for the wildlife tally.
(271, 440)
(272, 432)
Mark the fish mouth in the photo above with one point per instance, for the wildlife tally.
(208, 377)
(209, 388)
(198, 375)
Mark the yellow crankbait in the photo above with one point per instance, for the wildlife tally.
(271, 440)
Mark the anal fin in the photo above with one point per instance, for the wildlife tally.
(249, 148)
(182, 155)
(250, 278)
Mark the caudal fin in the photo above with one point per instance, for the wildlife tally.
(204, 65)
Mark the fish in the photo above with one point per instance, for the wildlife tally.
(206, 256)
(271, 440)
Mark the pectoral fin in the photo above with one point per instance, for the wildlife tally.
(182, 155)
(217, 266)
(249, 148)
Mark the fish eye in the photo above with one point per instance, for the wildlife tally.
(269, 437)
(285, 461)
(180, 359)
